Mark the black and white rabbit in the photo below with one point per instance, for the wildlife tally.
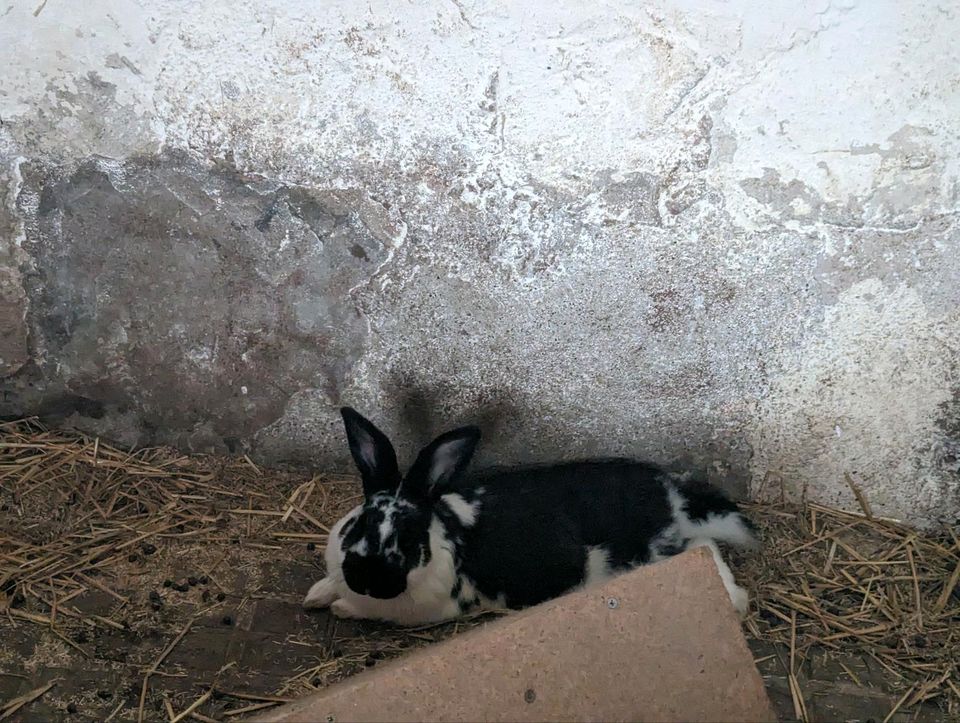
(438, 542)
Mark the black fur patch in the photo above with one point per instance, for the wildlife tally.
(535, 525)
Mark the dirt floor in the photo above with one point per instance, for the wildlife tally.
(151, 586)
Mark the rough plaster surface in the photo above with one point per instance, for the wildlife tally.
(689, 231)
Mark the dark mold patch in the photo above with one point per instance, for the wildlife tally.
(947, 449)
(14, 351)
(197, 298)
(67, 404)
(13, 329)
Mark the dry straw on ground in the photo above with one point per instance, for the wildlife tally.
(841, 583)
(72, 509)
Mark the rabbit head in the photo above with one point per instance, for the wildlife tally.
(389, 538)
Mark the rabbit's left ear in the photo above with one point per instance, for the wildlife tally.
(441, 461)
(372, 452)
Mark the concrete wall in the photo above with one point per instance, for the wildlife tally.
(720, 234)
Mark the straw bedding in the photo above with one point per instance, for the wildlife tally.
(77, 515)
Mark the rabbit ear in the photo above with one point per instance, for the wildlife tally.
(441, 461)
(372, 452)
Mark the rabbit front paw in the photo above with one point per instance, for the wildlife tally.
(322, 594)
(343, 609)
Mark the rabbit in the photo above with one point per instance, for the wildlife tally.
(438, 542)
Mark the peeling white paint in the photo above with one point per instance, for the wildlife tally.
(876, 369)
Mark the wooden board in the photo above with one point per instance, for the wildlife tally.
(662, 643)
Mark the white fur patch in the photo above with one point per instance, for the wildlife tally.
(677, 504)
(360, 548)
(727, 528)
(467, 591)
(738, 596)
(597, 568)
(465, 511)
(386, 526)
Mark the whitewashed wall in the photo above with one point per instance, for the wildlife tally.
(711, 233)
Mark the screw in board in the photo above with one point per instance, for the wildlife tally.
(613, 603)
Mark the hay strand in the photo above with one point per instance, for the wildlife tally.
(16, 704)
